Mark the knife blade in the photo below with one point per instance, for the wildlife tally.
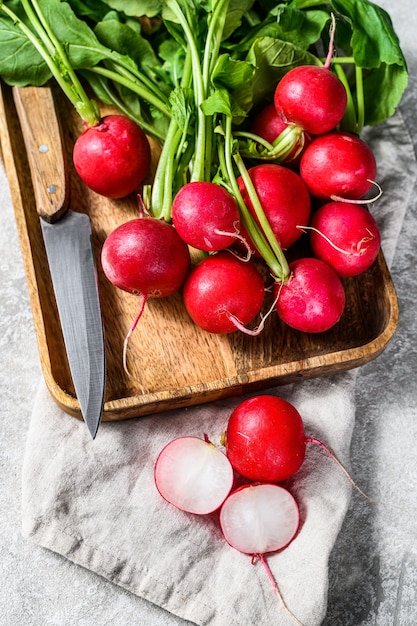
(67, 237)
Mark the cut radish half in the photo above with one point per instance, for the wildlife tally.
(259, 518)
(193, 475)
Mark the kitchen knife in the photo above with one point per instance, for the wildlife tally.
(68, 243)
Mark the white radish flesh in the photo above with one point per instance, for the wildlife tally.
(259, 518)
(193, 475)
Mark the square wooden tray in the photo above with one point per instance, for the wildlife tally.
(173, 363)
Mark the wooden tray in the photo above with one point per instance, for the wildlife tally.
(174, 363)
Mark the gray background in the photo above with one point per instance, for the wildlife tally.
(373, 568)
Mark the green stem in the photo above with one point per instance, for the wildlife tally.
(130, 83)
(216, 21)
(198, 169)
(150, 129)
(275, 261)
(263, 220)
(162, 188)
(213, 39)
(349, 121)
(360, 100)
(62, 71)
(280, 149)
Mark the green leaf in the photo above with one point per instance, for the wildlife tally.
(273, 58)
(91, 9)
(81, 45)
(236, 10)
(20, 62)
(301, 28)
(182, 106)
(128, 42)
(374, 40)
(383, 89)
(136, 8)
(376, 49)
(221, 102)
(230, 73)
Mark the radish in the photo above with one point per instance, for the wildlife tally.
(223, 293)
(313, 299)
(259, 518)
(269, 125)
(146, 257)
(337, 166)
(311, 96)
(284, 199)
(193, 475)
(345, 236)
(113, 157)
(265, 440)
(206, 216)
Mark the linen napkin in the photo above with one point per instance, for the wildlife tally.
(95, 503)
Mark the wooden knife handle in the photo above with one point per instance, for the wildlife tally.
(44, 146)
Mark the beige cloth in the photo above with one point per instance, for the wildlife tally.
(95, 503)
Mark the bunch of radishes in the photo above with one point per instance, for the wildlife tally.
(258, 216)
(265, 444)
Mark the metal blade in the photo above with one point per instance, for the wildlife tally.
(71, 261)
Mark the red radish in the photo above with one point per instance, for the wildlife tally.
(313, 299)
(114, 157)
(206, 216)
(265, 439)
(193, 475)
(312, 97)
(345, 236)
(145, 256)
(337, 166)
(260, 518)
(284, 199)
(223, 293)
(268, 125)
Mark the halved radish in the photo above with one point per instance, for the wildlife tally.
(193, 475)
(259, 518)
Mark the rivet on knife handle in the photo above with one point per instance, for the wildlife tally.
(45, 150)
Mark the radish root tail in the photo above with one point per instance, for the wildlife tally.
(336, 198)
(275, 587)
(130, 332)
(349, 477)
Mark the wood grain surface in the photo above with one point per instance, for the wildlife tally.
(172, 362)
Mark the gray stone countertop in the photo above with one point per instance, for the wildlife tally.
(373, 568)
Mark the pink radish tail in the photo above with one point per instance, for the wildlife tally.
(275, 587)
(131, 330)
(331, 43)
(341, 466)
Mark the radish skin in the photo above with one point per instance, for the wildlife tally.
(313, 299)
(223, 293)
(114, 157)
(338, 165)
(346, 236)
